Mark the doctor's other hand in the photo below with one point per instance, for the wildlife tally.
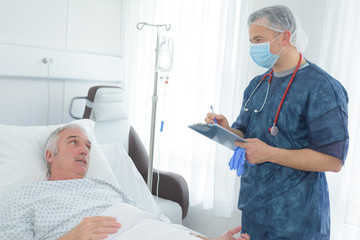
(228, 235)
(256, 151)
(221, 119)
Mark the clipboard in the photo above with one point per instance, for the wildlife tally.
(218, 134)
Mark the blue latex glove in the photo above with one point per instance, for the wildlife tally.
(237, 161)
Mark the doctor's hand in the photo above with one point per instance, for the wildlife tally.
(95, 228)
(256, 151)
(228, 235)
(221, 120)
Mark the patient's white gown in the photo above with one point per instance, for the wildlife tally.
(50, 209)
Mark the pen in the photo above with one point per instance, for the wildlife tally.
(212, 110)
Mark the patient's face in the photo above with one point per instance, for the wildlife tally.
(73, 157)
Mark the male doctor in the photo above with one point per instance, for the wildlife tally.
(294, 119)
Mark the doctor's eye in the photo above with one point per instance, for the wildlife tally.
(257, 39)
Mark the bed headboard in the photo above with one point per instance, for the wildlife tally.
(106, 106)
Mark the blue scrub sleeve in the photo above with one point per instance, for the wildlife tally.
(241, 121)
(328, 120)
(338, 149)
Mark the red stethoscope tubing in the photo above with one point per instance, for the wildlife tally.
(268, 74)
(286, 91)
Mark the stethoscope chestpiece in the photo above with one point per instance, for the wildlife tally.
(274, 130)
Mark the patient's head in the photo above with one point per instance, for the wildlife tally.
(67, 153)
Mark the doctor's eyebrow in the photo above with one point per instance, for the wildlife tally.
(256, 38)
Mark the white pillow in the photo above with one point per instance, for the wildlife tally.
(22, 158)
(130, 179)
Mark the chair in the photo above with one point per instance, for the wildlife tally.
(106, 106)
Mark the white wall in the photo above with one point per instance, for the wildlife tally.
(94, 26)
(38, 23)
(91, 26)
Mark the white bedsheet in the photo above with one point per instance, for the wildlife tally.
(137, 224)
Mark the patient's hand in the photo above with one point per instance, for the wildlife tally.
(93, 228)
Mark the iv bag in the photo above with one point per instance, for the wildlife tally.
(164, 54)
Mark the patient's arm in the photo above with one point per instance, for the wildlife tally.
(93, 228)
(228, 235)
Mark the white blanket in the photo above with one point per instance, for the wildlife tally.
(137, 224)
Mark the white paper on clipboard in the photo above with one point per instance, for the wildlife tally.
(218, 134)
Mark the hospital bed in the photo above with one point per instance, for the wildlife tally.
(22, 162)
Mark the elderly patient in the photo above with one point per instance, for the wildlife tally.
(70, 206)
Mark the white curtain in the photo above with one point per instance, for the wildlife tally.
(209, 68)
(340, 56)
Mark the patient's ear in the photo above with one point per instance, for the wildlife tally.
(49, 156)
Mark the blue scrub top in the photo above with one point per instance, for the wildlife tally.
(279, 202)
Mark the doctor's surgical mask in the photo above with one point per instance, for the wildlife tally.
(260, 53)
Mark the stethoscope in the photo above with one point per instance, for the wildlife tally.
(274, 130)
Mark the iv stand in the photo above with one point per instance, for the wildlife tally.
(139, 26)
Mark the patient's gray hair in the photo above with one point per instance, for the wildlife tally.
(52, 141)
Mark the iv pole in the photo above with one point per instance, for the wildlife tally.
(139, 26)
